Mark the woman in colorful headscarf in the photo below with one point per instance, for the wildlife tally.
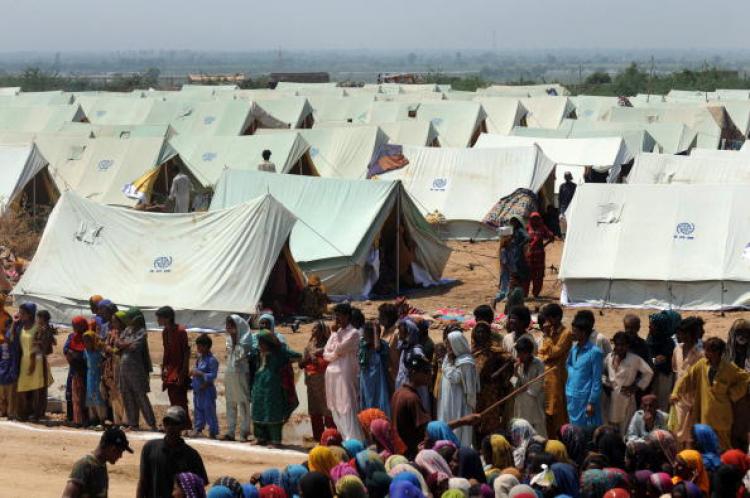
(322, 460)
(497, 454)
(270, 405)
(291, 477)
(665, 445)
(608, 441)
(382, 435)
(378, 484)
(707, 442)
(366, 418)
(33, 378)
(188, 485)
(352, 447)
(434, 464)
(468, 464)
(394, 460)
(111, 366)
(521, 433)
(522, 491)
(410, 342)
(689, 467)
(315, 370)
(594, 483)
(660, 483)
(374, 384)
(331, 437)
(74, 352)
(315, 485)
(437, 430)
(503, 484)
(340, 470)
(459, 385)
(350, 487)
(662, 326)
(135, 368)
(404, 489)
(413, 476)
(557, 450)
(738, 458)
(687, 489)
(566, 479)
(574, 439)
(539, 237)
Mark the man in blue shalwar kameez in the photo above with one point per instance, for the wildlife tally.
(584, 385)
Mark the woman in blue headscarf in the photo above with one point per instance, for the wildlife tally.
(374, 386)
(352, 447)
(290, 479)
(438, 430)
(409, 342)
(707, 443)
(566, 479)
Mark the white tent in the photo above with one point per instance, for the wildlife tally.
(571, 154)
(458, 123)
(19, 165)
(547, 112)
(35, 119)
(412, 132)
(665, 169)
(594, 108)
(658, 246)
(464, 184)
(205, 265)
(349, 260)
(208, 157)
(341, 110)
(503, 113)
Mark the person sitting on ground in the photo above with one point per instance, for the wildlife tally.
(162, 459)
(266, 165)
(314, 300)
(89, 477)
(646, 420)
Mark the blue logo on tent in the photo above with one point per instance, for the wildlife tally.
(439, 184)
(685, 231)
(314, 151)
(208, 120)
(100, 113)
(209, 156)
(162, 264)
(105, 164)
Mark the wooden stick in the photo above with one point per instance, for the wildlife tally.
(516, 392)
(501, 369)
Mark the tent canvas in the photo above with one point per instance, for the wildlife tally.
(458, 123)
(342, 257)
(19, 165)
(340, 110)
(637, 139)
(295, 112)
(412, 132)
(208, 157)
(696, 255)
(222, 117)
(547, 112)
(543, 90)
(665, 169)
(503, 113)
(108, 110)
(463, 184)
(38, 118)
(147, 259)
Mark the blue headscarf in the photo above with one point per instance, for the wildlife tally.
(412, 335)
(408, 477)
(437, 430)
(29, 308)
(404, 489)
(220, 492)
(290, 479)
(566, 479)
(707, 442)
(250, 491)
(353, 446)
(270, 476)
(270, 319)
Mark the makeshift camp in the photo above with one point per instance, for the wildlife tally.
(346, 233)
(637, 139)
(99, 168)
(221, 117)
(665, 169)
(459, 186)
(603, 155)
(458, 123)
(658, 246)
(24, 177)
(209, 264)
(208, 157)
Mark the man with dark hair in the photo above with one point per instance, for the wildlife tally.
(266, 165)
(175, 365)
(625, 374)
(529, 404)
(554, 352)
(409, 417)
(163, 459)
(632, 325)
(519, 320)
(564, 198)
(89, 477)
(717, 384)
(583, 388)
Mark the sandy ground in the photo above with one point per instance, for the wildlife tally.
(48, 453)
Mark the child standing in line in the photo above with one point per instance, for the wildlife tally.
(94, 356)
(204, 391)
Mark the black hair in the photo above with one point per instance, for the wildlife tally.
(484, 313)
(204, 340)
(622, 336)
(344, 309)
(524, 345)
(552, 310)
(266, 154)
(584, 320)
(166, 312)
(44, 315)
(388, 314)
(521, 313)
(692, 325)
(357, 318)
(715, 344)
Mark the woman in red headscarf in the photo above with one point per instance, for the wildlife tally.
(539, 237)
(74, 349)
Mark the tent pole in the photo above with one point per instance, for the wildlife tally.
(398, 241)
(33, 197)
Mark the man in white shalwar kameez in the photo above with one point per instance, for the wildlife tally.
(529, 404)
(624, 374)
(342, 373)
(459, 386)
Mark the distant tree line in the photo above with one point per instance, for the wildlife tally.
(630, 81)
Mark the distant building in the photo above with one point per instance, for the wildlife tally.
(275, 78)
(216, 78)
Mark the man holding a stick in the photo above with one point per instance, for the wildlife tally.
(583, 388)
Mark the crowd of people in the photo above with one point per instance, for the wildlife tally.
(512, 408)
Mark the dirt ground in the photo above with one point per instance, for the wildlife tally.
(39, 458)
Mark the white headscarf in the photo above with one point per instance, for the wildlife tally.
(465, 362)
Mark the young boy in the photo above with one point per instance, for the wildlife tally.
(622, 380)
(95, 403)
(204, 391)
(529, 404)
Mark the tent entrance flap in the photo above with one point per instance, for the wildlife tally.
(397, 254)
(283, 290)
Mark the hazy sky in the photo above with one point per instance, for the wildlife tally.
(52, 25)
